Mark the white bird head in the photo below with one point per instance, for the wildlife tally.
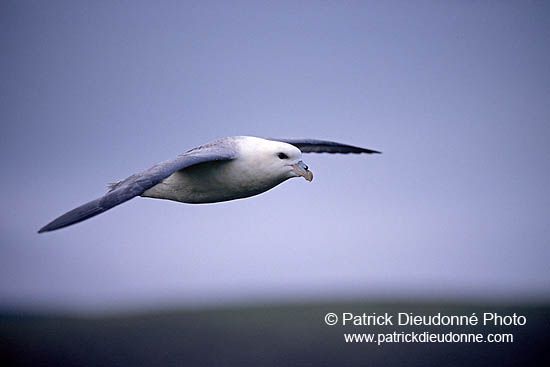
(278, 160)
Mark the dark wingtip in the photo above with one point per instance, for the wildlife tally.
(74, 216)
(52, 226)
(45, 229)
(365, 150)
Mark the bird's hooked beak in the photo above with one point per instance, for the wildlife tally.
(302, 170)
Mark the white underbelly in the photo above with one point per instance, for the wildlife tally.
(210, 183)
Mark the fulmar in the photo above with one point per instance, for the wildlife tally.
(226, 169)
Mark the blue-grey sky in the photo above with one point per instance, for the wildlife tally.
(456, 94)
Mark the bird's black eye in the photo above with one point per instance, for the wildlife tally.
(282, 156)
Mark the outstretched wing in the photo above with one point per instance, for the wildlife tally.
(138, 183)
(324, 146)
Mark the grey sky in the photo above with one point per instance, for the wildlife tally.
(456, 95)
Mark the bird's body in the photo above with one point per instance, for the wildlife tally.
(204, 183)
(226, 169)
(249, 174)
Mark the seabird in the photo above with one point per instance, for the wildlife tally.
(226, 169)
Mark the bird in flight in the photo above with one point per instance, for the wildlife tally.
(226, 169)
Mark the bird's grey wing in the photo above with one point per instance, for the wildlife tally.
(138, 183)
(324, 146)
